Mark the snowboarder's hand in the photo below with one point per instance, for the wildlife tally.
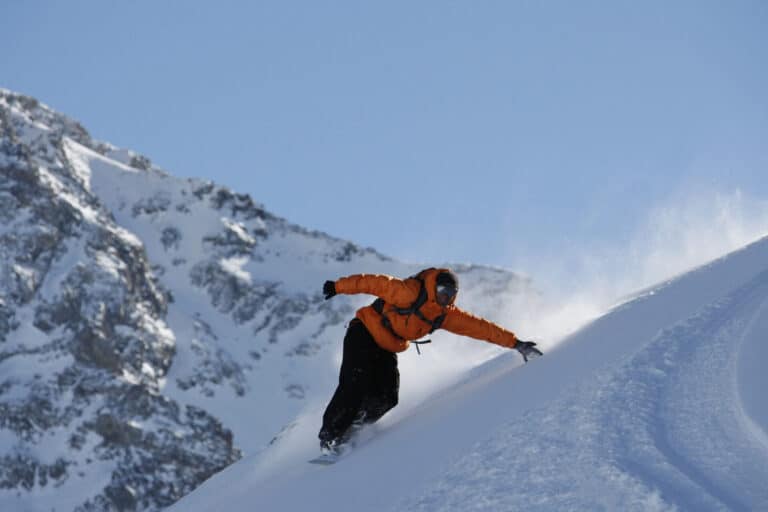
(527, 349)
(329, 289)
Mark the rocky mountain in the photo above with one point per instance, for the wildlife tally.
(154, 329)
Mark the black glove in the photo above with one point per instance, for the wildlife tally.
(527, 349)
(329, 289)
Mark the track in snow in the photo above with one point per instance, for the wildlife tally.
(664, 431)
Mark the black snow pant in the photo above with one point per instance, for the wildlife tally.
(369, 382)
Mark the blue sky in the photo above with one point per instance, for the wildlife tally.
(488, 132)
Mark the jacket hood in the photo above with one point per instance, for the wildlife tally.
(430, 282)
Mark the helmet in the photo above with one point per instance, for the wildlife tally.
(446, 288)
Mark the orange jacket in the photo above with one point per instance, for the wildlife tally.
(403, 293)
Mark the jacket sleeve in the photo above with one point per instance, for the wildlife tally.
(461, 322)
(389, 288)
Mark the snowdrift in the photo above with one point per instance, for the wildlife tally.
(657, 405)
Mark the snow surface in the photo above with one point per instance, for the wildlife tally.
(657, 405)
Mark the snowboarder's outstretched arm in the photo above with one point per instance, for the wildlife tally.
(464, 323)
(391, 289)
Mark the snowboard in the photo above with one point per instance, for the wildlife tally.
(330, 458)
(359, 434)
(326, 459)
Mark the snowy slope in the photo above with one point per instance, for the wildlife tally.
(658, 405)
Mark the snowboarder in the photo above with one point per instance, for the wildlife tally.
(405, 311)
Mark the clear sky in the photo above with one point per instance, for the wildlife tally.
(474, 131)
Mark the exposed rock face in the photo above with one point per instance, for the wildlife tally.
(83, 341)
(152, 329)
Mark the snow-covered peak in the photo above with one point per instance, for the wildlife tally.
(39, 132)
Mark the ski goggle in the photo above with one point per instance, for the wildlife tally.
(445, 294)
